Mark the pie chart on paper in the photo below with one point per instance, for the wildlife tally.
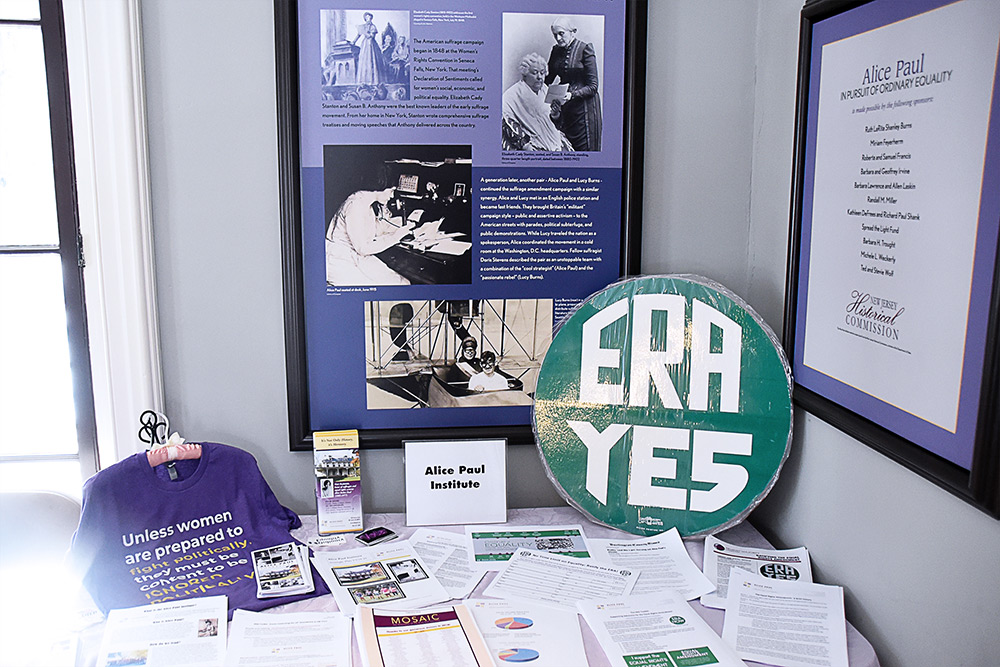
(514, 623)
(518, 655)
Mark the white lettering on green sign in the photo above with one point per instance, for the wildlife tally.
(647, 364)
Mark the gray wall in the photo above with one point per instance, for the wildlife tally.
(920, 567)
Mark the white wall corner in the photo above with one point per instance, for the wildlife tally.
(104, 50)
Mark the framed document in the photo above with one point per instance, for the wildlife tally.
(891, 307)
(455, 178)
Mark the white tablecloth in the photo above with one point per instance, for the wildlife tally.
(859, 651)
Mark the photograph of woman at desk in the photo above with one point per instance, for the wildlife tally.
(363, 227)
(389, 218)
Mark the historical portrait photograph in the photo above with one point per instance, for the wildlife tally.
(365, 54)
(398, 215)
(454, 354)
(552, 82)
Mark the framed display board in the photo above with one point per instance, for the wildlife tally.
(891, 311)
(455, 177)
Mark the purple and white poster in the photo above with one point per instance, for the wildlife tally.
(900, 217)
(461, 179)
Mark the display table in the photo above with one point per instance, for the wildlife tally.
(860, 651)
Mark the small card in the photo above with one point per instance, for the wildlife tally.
(375, 536)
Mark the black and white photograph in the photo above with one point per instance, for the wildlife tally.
(365, 573)
(208, 627)
(398, 215)
(552, 82)
(447, 354)
(407, 570)
(365, 54)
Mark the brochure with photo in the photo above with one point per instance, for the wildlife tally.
(390, 575)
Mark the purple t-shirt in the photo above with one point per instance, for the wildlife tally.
(144, 538)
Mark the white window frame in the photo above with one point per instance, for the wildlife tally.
(107, 92)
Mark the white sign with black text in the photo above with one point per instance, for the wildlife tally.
(455, 482)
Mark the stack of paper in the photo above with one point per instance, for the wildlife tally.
(282, 570)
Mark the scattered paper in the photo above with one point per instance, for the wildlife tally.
(492, 547)
(662, 561)
(722, 558)
(786, 623)
(188, 632)
(526, 632)
(301, 639)
(657, 629)
(437, 637)
(390, 575)
(447, 555)
(558, 581)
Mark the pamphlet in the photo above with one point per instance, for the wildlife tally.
(282, 570)
(447, 555)
(663, 563)
(558, 581)
(390, 575)
(655, 629)
(492, 547)
(437, 637)
(786, 623)
(338, 482)
(301, 639)
(188, 632)
(526, 632)
(722, 558)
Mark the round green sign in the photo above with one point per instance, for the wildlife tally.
(664, 401)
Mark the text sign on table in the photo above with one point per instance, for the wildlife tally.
(664, 401)
(455, 482)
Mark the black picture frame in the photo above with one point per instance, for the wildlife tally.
(979, 482)
(300, 428)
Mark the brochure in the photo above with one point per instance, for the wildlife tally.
(390, 575)
(338, 481)
(438, 637)
(527, 632)
(786, 623)
(722, 558)
(282, 570)
(656, 629)
(663, 563)
(188, 632)
(301, 639)
(558, 581)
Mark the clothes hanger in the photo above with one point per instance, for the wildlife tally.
(153, 429)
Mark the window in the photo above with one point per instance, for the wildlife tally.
(47, 425)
